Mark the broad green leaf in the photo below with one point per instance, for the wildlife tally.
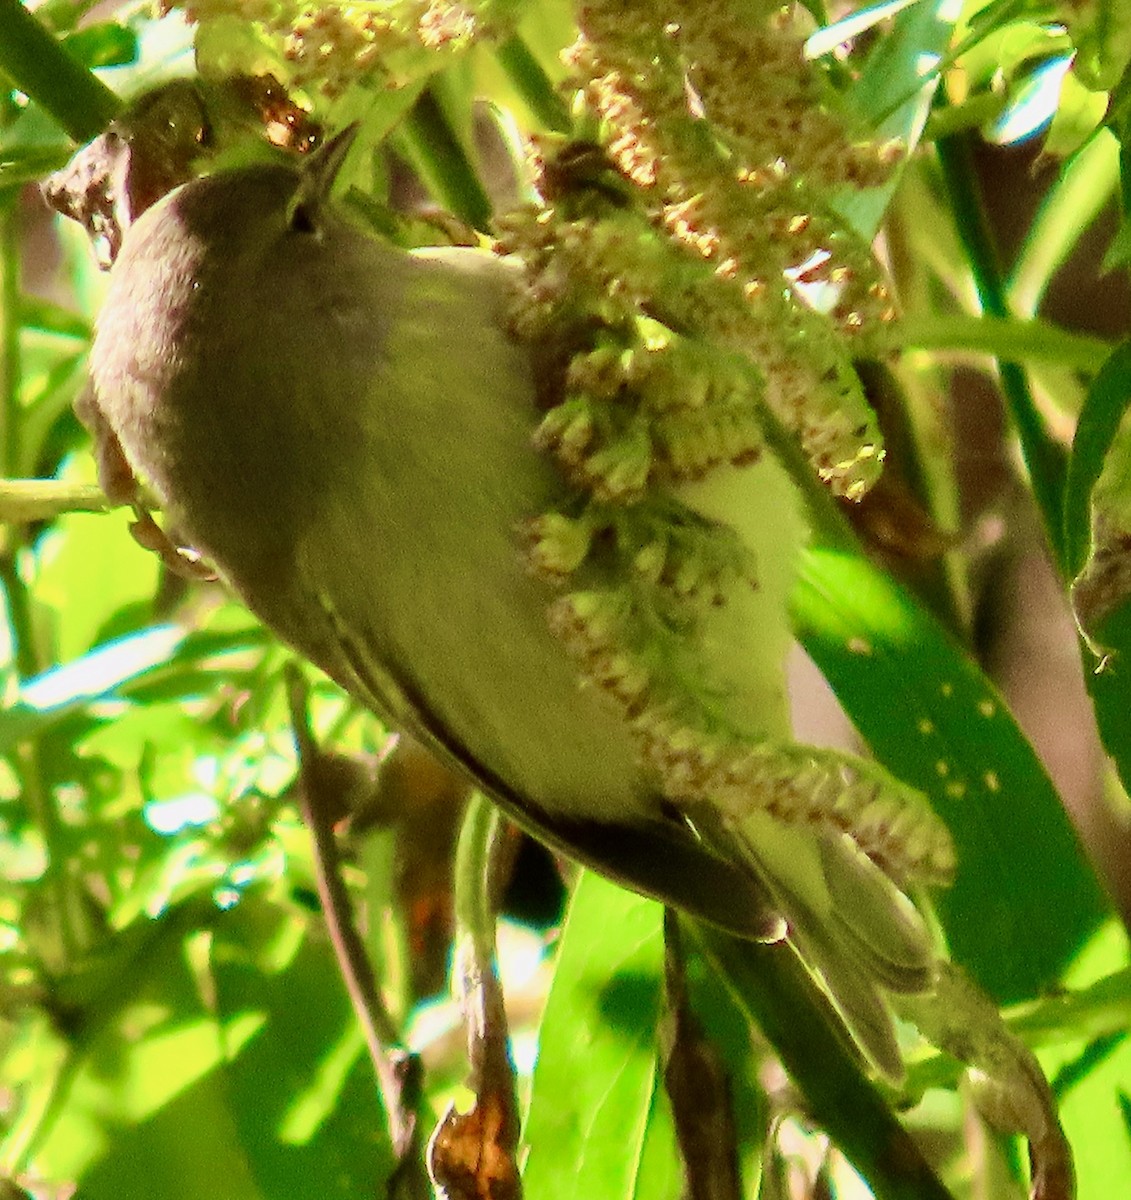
(660, 1173)
(89, 568)
(1024, 897)
(596, 1075)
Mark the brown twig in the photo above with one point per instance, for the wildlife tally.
(397, 1069)
(698, 1085)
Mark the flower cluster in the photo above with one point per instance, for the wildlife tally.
(669, 273)
(699, 760)
(739, 179)
(322, 49)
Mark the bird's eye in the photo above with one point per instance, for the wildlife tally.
(302, 219)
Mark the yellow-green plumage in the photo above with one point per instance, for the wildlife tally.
(345, 430)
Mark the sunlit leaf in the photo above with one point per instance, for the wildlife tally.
(1024, 897)
(135, 1104)
(1067, 210)
(593, 1086)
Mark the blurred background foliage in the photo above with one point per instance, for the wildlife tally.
(172, 1020)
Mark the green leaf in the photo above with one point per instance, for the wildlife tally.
(1025, 897)
(89, 568)
(160, 662)
(1066, 214)
(1097, 485)
(46, 316)
(596, 1076)
(303, 1099)
(1003, 337)
(1090, 1108)
(1102, 32)
(104, 669)
(433, 143)
(136, 1106)
(21, 165)
(770, 984)
(105, 44)
(1107, 401)
(891, 97)
(39, 66)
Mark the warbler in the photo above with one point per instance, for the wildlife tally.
(343, 429)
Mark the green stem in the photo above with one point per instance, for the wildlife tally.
(43, 70)
(1045, 458)
(481, 848)
(476, 855)
(772, 987)
(10, 370)
(1097, 1014)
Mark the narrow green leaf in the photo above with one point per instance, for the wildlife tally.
(1025, 897)
(439, 154)
(1003, 337)
(772, 987)
(160, 662)
(847, 28)
(46, 316)
(593, 1086)
(532, 84)
(1066, 213)
(1096, 435)
(102, 670)
(1107, 401)
(21, 165)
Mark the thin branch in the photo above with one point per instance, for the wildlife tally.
(397, 1069)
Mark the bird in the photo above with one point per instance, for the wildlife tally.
(343, 429)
